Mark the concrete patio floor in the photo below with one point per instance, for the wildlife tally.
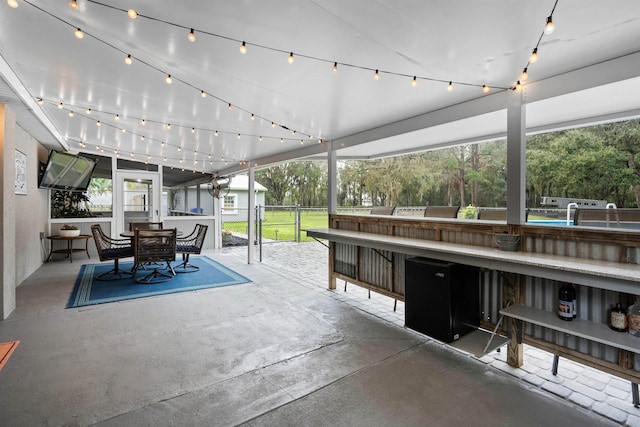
(282, 350)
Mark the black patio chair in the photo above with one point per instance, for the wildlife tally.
(112, 250)
(191, 244)
(154, 246)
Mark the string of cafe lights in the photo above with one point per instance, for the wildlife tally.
(169, 78)
(245, 45)
(72, 112)
(168, 126)
(191, 35)
(549, 28)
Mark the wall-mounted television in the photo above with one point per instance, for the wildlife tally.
(66, 171)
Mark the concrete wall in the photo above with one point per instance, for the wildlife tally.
(23, 217)
(29, 249)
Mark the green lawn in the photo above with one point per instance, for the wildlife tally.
(279, 225)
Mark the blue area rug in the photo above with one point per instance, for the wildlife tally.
(88, 291)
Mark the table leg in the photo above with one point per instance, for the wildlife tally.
(70, 249)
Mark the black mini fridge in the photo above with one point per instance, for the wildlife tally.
(442, 299)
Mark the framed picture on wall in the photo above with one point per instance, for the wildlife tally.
(21, 173)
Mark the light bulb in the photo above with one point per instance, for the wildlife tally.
(60, 105)
(376, 75)
(40, 101)
(414, 82)
(450, 86)
(123, 130)
(281, 140)
(533, 58)
(485, 89)
(253, 117)
(273, 124)
(132, 13)
(73, 4)
(98, 123)
(290, 59)
(117, 117)
(193, 130)
(238, 136)
(243, 48)
(143, 122)
(524, 75)
(79, 34)
(191, 36)
(168, 79)
(168, 126)
(550, 26)
(335, 67)
(203, 94)
(230, 107)
(12, 3)
(518, 86)
(70, 113)
(128, 60)
(88, 111)
(260, 138)
(215, 133)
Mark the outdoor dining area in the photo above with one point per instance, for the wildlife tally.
(153, 249)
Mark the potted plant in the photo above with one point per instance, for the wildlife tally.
(67, 230)
(226, 235)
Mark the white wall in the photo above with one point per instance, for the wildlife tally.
(29, 250)
(23, 216)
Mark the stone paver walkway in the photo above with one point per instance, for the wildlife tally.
(595, 390)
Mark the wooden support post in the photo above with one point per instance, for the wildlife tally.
(332, 277)
(511, 295)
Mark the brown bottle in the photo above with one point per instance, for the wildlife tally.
(618, 318)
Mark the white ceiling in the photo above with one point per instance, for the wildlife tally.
(588, 70)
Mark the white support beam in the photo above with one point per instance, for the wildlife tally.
(251, 214)
(516, 148)
(332, 172)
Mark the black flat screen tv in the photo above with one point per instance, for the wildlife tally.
(65, 171)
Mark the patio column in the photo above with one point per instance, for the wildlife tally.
(7, 212)
(516, 148)
(251, 214)
(332, 172)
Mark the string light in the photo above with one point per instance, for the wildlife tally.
(335, 67)
(376, 75)
(143, 122)
(12, 3)
(450, 86)
(203, 94)
(168, 79)
(243, 48)
(518, 86)
(128, 60)
(79, 34)
(60, 105)
(88, 111)
(132, 13)
(191, 36)
(549, 27)
(230, 107)
(238, 136)
(117, 117)
(485, 89)
(215, 133)
(168, 126)
(70, 113)
(73, 4)
(193, 130)
(40, 101)
(533, 58)
(253, 117)
(290, 58)
(98, 123)
(524, 75)
(414, 82)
